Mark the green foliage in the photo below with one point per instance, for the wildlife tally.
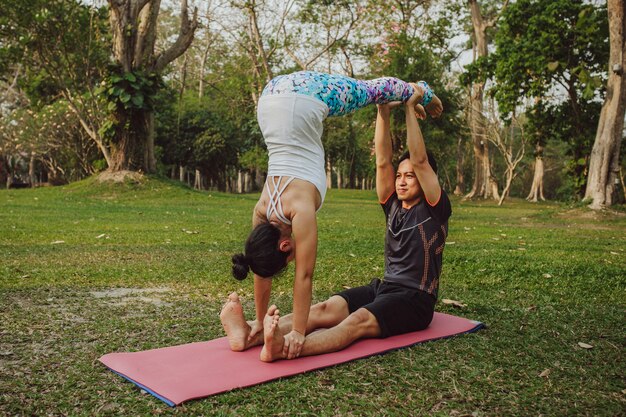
(554, 52)
(61, 44)
(253, 158)
(545, 44)
(54, 136)
(126, 92)
(129, 91)
(196, 133)
(478, 71)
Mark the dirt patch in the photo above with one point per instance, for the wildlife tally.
(572, 225)
(125, 296)
(121, 177)
(588, 214)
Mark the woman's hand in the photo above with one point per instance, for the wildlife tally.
(294, 341)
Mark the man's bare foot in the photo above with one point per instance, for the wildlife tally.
(235, 325)
(273, 338)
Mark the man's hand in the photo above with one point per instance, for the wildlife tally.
(420, 113)
(293, 344)
(383, 110)
(256, 329)
(416, 97)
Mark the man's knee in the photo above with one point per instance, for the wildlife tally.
(364, 322)
(334, 306)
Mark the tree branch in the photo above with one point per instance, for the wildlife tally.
(185, 37)
(492, 22)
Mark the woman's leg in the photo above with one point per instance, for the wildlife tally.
(342, 94)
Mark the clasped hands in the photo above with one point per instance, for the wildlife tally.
(293, 342)
(435, 108)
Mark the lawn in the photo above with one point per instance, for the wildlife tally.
(91, 268)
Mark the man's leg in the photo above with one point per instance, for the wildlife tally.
(322, 315)
(358, 325)
(235, 325)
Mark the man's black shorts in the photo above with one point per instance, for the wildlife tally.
(398, 309)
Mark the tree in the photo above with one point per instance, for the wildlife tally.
(134, 79)
(605, 155)
(537, 133)
(553, 52)
(324, 28)
(45, 63)
(57, 148)
(511, 143)
(483, 185)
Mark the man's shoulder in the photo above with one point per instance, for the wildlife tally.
(391, 202)
(442, 210)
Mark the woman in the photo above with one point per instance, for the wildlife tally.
(291, 112)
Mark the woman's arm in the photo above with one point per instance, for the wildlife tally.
(304, 227)
(262, 292)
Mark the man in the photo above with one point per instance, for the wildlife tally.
(417, 212)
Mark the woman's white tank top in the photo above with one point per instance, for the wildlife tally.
(292, 126)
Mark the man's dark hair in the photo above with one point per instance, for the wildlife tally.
(431, 159)
(261, 254)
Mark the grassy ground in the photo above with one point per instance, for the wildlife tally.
(543, 277)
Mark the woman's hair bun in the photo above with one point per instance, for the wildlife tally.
(240, 266)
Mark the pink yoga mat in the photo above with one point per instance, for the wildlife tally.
(180, 373)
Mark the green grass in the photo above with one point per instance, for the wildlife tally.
(543, 277)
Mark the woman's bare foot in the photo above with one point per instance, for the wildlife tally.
(235, 325)
(274, 340)
(435, 107)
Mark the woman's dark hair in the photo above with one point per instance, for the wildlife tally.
(431, 159)
(261, 254)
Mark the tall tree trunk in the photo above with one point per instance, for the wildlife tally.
(536, 189)
(460, 161)
(247, 182)
(129, 147)
(205, 57)
(198, 181)
(4, 172)
(339, 178)
(259, 181)
(32, 178)
(329, 174)
(134, 24)
(239, 181)
(351, 161)
(483, 185)
(604, 162)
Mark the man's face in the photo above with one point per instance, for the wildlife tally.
(407, 186)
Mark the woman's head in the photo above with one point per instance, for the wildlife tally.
(265, 253)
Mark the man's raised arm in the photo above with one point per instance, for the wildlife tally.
(385, 175)
(417, 149)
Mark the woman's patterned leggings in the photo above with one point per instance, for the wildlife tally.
(344, 95)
